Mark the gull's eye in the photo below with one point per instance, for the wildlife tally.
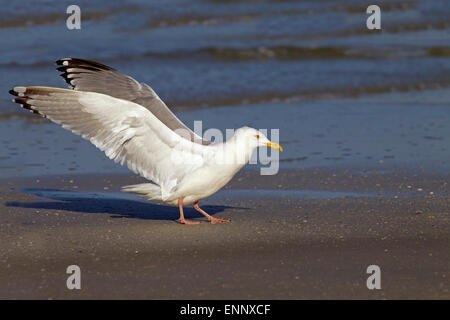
(257, 136)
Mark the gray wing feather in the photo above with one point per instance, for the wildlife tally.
(86, 75)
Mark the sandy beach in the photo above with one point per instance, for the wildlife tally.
(281, 243)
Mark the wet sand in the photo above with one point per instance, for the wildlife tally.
(281, 243)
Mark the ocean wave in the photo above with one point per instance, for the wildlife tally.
(59, 17)
(311, 94)
(263, 53)
(198, 19)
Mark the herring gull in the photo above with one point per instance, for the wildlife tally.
(132, 125)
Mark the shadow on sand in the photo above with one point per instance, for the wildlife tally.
(118, 204)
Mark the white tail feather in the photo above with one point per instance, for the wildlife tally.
(150, 190)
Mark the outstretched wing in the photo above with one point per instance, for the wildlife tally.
(86, 75)
(127, 132)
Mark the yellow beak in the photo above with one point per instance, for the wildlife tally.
(274, 145)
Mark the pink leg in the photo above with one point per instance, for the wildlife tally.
(210, 218)
(182, 220)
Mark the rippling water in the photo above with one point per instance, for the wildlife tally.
(340, 94)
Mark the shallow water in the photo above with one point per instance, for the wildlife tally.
(341, 95)
(384, 131)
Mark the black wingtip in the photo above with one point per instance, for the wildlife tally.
(60, 62)
(23, 101)
(14, 93)
(83, 63)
